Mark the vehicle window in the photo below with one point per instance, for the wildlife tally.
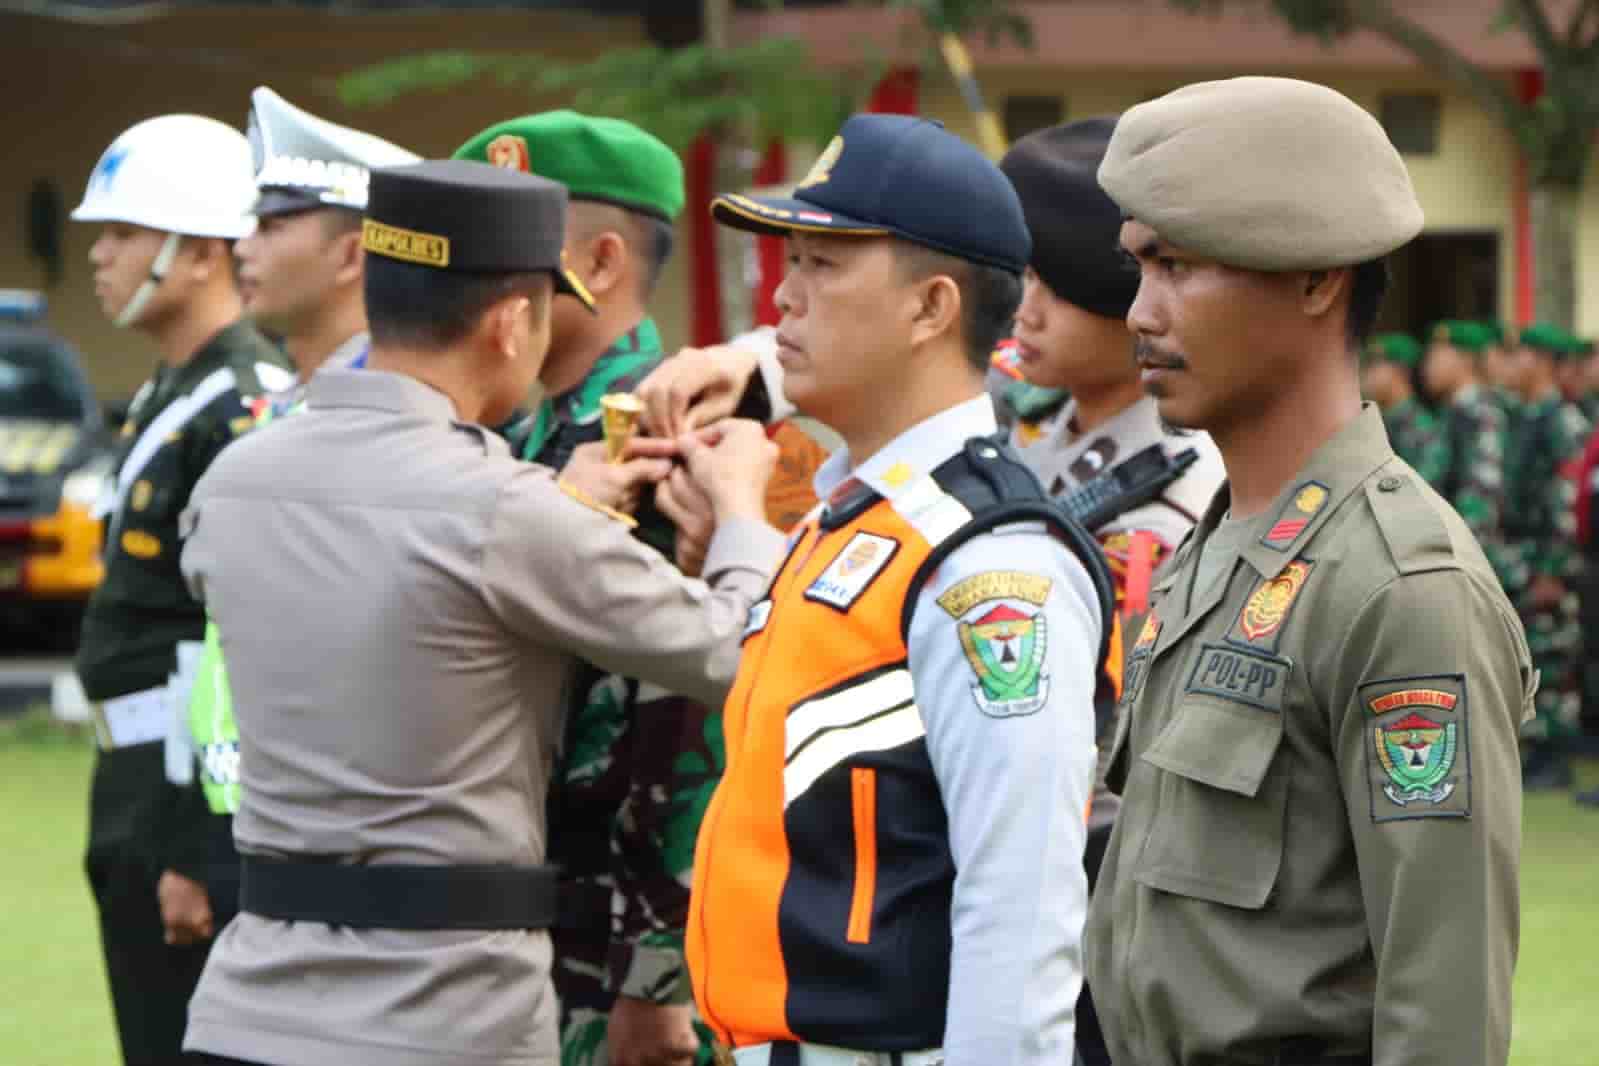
(37, 382)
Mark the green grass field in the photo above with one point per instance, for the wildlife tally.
(54, 1009)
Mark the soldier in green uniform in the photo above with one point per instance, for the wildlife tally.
(1476, 428)
(1316, 858)
(1388, 380)
(1540, 534)
(169, 195)
(638, 764)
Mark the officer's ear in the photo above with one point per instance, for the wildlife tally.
(1322, 290)
(602, 262)
(505, 323)
(938, 310)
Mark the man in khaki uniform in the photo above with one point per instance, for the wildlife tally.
(401, 605)
(1316, 859)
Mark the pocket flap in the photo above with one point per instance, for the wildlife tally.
(1219, 742)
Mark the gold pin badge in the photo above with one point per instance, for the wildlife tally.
(620, 413)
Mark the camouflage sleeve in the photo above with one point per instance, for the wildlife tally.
(1432, 450)
(1481, 497)
(677, 759)
(1557, 555)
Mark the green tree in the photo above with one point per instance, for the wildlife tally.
(1555, 133)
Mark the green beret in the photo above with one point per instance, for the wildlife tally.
(1263, 173)
(1472, 337)
(603, 159)
(1399, 348)
(1549, 339)
(1494, 331)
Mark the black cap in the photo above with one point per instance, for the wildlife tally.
(452, 214)
(894, 175)
(1073, 222)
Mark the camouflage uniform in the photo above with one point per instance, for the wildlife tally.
(1419, 439)
(637, 767)
(1540, 536)
(1474, 426)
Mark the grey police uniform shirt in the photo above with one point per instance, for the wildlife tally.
(401, 603)
(1063, 459)
(1015, 788)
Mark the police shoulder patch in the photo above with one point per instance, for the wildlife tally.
(852, 570)
(1004, 635)
(1296, 515)
(1417, 758)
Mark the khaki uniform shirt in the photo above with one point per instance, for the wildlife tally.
(400, 603)
(1317, 850)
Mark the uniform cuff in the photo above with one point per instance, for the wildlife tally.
(656, 973)
(743, 544)
(763, 342)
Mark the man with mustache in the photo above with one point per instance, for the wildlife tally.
(1316, 857)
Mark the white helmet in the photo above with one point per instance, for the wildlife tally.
(181, 174)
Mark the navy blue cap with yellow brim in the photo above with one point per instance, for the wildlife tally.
(894, 175)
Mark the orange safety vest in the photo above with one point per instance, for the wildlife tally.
(823, 876)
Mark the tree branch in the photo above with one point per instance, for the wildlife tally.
(1536, 22)
(1379, 17)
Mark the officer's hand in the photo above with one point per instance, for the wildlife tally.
(681, 499)
(694, 388)
(731, 462)
(1546, 592)
(641, 1033)
(185, 909)
(617, 485)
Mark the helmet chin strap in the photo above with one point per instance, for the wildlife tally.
(158, 273)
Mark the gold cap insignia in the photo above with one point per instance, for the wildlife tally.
(509, 152)
(822, 169)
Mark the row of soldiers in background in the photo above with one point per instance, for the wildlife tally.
(1497, 422)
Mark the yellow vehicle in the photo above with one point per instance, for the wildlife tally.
(55, 460)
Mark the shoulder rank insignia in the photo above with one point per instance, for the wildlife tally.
(1004, 634)
(1416, 748)
(595, 505)
(1295, 516)
(1267, 607)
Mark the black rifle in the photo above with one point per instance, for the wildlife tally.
(1128, 484)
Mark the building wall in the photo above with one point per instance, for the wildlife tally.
(85, 84)
(1466, 186)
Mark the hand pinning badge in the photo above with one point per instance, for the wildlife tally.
(620, 413)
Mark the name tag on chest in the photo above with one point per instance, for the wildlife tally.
(1240, 675)
(852, 570)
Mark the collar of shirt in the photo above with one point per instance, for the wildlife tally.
(213, 355)
(922, 447)
(1339, 467)
(381, 390)
(351, 353)
(1132, 428)
(633, 352)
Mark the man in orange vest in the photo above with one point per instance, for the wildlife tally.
(891, 870)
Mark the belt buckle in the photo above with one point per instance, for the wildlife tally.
(721, 1054)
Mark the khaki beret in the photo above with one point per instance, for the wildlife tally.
(1263, 173)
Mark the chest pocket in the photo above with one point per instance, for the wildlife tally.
(1218, 832)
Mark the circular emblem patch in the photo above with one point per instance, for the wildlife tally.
(1311, 498)
(1268, 605)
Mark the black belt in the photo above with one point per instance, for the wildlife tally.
(399, 897)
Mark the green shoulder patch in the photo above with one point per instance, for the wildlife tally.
(1417, 759)
(1004, 634)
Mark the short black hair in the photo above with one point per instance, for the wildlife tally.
(989, 296)
(1367, 287)
(656, 238)
(422, 307)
